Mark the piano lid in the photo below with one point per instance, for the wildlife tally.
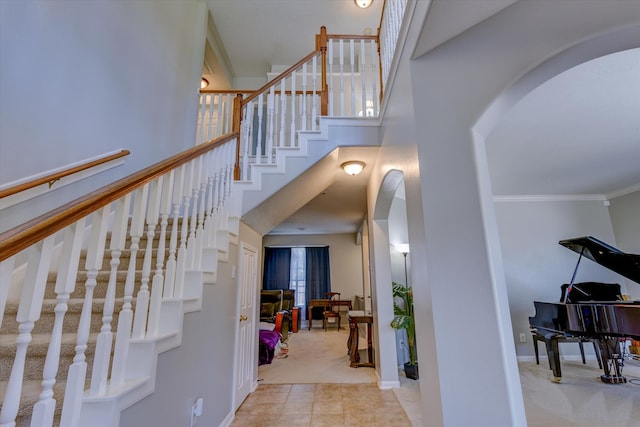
(627, 265)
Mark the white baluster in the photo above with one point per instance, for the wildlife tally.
(193, 223)
(245, 135)
(201, 119)
(341, 44)
(201, 186)
(208, 199)
(374, 74)
(213, 119)
(363, 78)
(270, 107)
(292, 130)
(220, 117)
(314, 82)
(184, 232)
(104, 343)
(176, 200)
(6, 268)
(44, 410)
(283, 113)
(158, 279)
(330, 75)
(352, 58)
(125, 319)
(78, 370)
(142, 298)
(303, 102)
(29, 310)
(259, 147)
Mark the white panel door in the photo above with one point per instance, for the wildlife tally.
(246, 336)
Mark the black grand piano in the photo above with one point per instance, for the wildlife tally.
(593, 311)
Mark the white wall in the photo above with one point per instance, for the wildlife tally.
(345, 257)
(625, 217)
(80, 79)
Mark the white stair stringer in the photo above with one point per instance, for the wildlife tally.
(291, 162)
(105, 410)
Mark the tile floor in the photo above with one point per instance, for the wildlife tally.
(318, 405)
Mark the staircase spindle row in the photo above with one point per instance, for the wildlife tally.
(183, 207)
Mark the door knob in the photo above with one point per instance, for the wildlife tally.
(243, 317)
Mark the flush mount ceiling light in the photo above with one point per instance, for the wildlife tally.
(363, 4)
(353, 167)
(204, 83)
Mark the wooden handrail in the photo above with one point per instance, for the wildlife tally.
(227, 91)
(25, 235)
(51, 178)
(282, 75)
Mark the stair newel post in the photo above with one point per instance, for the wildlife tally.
(270, 117)
(157, 283)
(142, 298)
(176, 201)
(31, 298)
(236, 126)
(314, 97)
(102, 357)
(292, 130)
(125, 318)
(303, 101)
(324, 94)
(181, 264)
(78, 369)
(6, 268)
(44, 409)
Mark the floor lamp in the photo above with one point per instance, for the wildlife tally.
(403, 248)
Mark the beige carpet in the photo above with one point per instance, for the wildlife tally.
(315, 357)
(581, 400)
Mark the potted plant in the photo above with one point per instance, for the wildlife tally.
(404, 319)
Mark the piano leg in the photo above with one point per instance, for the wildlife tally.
(553, 355)
(611, 361)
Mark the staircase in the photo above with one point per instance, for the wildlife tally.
(94, 333)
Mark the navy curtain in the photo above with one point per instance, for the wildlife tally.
(318, 273)
(277, 268)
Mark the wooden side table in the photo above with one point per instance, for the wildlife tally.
(355, 318)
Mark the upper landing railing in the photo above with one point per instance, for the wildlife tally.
(343, 76)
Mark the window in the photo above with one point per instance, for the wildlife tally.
(298, 275)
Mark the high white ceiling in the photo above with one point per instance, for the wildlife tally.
(552, 143)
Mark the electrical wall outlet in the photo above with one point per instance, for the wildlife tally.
(523, 337)
(196, 411)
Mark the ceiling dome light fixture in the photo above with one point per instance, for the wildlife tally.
(204, 83)
(353, 167)
(363, 4)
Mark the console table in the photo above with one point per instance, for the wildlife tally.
(355, 318)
